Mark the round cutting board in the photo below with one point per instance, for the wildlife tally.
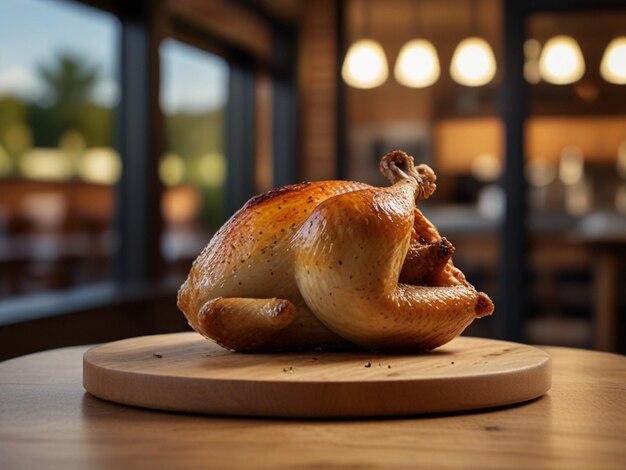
(185, 372)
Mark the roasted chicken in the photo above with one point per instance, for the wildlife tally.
(326, 263)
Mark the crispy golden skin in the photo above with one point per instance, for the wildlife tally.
(317, 264)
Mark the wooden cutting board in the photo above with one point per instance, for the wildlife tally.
(185, 372)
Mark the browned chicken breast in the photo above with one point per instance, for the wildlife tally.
(317, 264)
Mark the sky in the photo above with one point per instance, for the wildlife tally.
(35, 31)
(191, 80)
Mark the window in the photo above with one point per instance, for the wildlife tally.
(66, 113)
(194, 97)
(58, 163)
(575, 135)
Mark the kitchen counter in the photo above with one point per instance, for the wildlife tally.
(48, 420)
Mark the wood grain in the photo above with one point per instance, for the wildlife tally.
(185, 372)
(47, 419)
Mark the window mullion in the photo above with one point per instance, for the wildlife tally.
(240, 137)
(140, 143)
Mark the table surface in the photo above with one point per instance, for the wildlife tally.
(47, 419)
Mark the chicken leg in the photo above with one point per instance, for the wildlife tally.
(348, 258)
(244, 324)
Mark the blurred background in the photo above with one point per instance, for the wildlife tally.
(130, 131)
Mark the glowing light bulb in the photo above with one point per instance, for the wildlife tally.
(365, 65)
(473, 62)
(418, 64)
(613, 65)
(561, 61)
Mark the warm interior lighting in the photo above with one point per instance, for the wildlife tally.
(578, 198)
(473, 62)
(100, 165)
(539, 174)
(46, 164)
(181, 204)
(613, 65)
(571, 166)
(365, 65)
(561, 61)
(532, 50)
(531, 71)
(486, 168)
(417, 65)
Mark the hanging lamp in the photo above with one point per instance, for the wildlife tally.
(473, 62)
(561, 61)
(417, 65)
(365, 64)
(613, 65)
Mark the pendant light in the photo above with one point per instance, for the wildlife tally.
(561, 61)
(473, 63)
(613, 65)
(417, 65)
(365, 64)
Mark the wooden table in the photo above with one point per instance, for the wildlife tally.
(47, 420)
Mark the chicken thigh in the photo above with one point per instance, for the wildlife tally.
(326, 263)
